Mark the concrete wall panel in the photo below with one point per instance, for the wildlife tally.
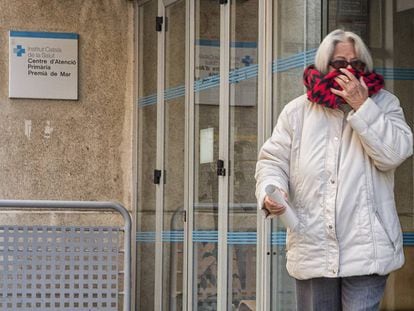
(71, 150)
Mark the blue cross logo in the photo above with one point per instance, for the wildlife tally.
(247, 60)
(19, 50)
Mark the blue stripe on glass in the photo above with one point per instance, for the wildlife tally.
(408, 238)
(297, 60)
(216, 43)
(245, 73)
(148, 236)
(46, 35)
(396, 73)
(205, 42)
(147, 100)
(241, 238)
(278, 238)
(174, 92)
(173, 236)
(233, 237)
(205, 236)
(206, 83)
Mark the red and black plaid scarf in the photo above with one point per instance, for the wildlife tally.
(318, 85)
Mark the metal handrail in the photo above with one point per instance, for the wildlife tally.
(79, 205)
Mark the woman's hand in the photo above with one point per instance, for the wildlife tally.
(275, 208)
(354, 92)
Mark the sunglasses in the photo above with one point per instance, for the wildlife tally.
(341, 63)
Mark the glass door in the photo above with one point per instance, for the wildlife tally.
(147, 149)
(206, 150)
(174, 145)
(242, 150)
(161, 148)
(387, 28)
(296, 35)
(225, 151)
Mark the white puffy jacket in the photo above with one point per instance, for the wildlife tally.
(338, 169)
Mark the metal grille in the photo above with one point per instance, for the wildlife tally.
(59, 268)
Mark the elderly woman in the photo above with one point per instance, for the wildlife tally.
(333, 153)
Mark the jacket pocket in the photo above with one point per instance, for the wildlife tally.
(384, 228)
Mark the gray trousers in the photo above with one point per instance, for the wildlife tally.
(356, 293)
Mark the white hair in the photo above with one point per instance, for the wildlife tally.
(326, 49)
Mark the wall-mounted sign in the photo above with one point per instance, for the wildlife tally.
(43, 65)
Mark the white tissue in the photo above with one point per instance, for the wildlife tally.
(289, 217)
